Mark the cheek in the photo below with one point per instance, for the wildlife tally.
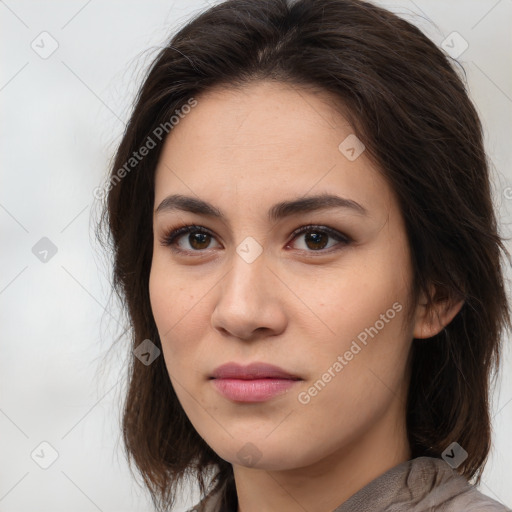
(177, 308)
(179, 317)
(351, 297)
(358, 375)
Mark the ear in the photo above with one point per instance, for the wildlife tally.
(430, 323)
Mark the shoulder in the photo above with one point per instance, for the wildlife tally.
(447, 490)
(472, 500)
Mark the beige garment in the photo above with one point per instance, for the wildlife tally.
(424, 484)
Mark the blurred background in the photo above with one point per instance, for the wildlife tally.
(69, 73)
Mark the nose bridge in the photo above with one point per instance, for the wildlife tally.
(246, 300)
(246, 281)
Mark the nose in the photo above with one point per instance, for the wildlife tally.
(248, 304)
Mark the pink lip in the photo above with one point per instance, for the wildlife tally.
(256, 382)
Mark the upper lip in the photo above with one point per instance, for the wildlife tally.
(251, 371)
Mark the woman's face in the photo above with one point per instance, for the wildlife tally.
(326, 305)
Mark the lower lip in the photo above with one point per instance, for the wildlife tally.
(256, 390)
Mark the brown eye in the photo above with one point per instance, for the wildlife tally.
(198, 239)
(316, 239)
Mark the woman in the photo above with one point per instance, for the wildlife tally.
(305, 241)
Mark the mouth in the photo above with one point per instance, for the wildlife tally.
(257, 382)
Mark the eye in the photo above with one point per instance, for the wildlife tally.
(316, 238)
(200, 238)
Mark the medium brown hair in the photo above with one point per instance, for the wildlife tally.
(410, 108)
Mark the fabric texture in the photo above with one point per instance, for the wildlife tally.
(424, 484)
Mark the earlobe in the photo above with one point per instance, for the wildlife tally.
(429, 323)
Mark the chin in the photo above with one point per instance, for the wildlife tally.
(278, 454)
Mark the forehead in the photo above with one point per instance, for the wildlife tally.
(265, 141)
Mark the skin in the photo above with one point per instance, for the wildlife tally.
(295, 306)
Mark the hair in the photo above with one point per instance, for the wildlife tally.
(410, 108)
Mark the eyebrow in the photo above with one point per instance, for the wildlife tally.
(178, 202)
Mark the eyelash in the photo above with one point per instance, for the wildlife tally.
(171, 236)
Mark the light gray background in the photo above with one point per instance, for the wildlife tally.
(61, 118)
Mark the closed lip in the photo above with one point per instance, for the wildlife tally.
(251, 372)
